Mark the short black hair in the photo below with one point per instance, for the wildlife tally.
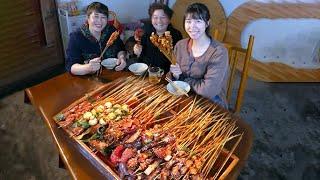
(97, 7)
(198, 11)
(157, 6)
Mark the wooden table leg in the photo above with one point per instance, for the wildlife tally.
(26, 98)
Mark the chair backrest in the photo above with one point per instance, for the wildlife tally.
(236, 55)
(215, 34)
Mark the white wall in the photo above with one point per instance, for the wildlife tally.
(291, 41)
(294, 42)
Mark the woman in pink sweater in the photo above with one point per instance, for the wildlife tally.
(201, 61)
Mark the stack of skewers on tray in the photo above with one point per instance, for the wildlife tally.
(165, 44)
(146, 133)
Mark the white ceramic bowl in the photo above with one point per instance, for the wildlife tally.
(181, 84)
(138, 68)
(109, 63)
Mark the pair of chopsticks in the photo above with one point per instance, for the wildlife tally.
(110, 41)
(177, 88)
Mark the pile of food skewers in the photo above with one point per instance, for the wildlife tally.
(147, 135)
(164, 44)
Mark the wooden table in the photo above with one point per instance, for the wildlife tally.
(51, 96)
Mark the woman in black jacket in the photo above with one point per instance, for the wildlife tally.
(160, 16)
(88, 41)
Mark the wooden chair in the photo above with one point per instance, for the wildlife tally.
(236, 53)
(215, 34)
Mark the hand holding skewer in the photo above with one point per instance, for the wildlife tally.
(94, 64)
(121, 62)
(137, 48)
(138, 33)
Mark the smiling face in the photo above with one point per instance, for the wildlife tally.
(196, 28)
(160, 21)
(97, 21)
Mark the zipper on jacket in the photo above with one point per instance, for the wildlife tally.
(100, 47)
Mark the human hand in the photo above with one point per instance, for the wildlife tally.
(175, 70)
(94, 64)
(169, 75)
(121, 64)
(137, 49)
(138, 33)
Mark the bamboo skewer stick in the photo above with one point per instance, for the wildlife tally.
(205, 114)
(230, 153)
(146, 101)
(120, 85)
(194, 101)
(221, 144)
(110, 41)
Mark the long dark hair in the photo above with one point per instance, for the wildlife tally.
(198, 11)
(97, 7)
